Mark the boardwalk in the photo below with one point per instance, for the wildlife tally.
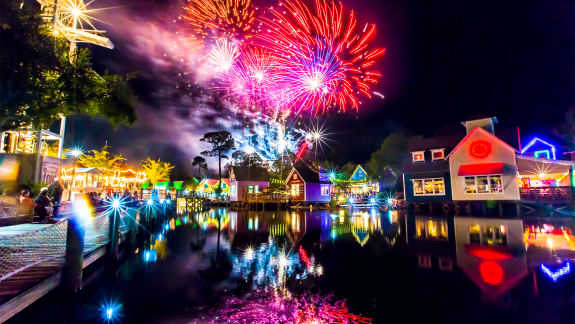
(32, 257)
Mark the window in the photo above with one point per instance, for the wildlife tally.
(424, 261)
(488, 235)
(435, 229)
(256, 188)
(437, 154)
(250, 189)
(483, 184)
(474, 231)
(295, 189)
(423, 187)
(418, 156)
(496, 186)
(445, 264)
(470, 185)
(233, 191)
(295, 176)
(325, 190)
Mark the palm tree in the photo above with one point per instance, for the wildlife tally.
(201, 163)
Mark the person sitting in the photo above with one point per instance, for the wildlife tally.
(40, 204)
(26, 204)
(55, 191)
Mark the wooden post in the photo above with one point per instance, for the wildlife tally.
(72, 272)
(113, 229)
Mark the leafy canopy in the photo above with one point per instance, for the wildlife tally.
(222, 141)
(100, 160)
(201, 163)
(157, 170)
(38, 81)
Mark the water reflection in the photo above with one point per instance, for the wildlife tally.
(267, 258)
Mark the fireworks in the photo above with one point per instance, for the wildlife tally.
(329, 59)
(218, 19)
(223, 55)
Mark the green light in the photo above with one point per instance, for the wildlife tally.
(537, 153)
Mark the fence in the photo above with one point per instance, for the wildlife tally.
(547, 194)
(24, 250)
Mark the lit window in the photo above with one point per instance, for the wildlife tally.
(418, 187)
(434, 229)
(257, 189)
(437, 154)
(295, 176)
(295, 189)
(483, 184)
(474, 234)
(500, 235)
(429, 187)
(487, 235)
(325, 190)
(250, 189)
(418, 156)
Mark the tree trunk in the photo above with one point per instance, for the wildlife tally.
(220, 169)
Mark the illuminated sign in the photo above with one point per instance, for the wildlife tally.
(480, 149)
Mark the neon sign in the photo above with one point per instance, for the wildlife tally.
(491, 272)
(559, 273)
(533, 141)
(480, 149)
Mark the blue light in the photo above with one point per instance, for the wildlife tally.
(109, 313)
(372, 200)
(150, 256)
(159, 237)
(351, 200)
(390, 201)
(559, 273)
(535, 139)
(332, 175)
(186, 220)
(167, 227)
(186, 191)
(115, 203)
(168, 200)
(162, 201)
(150, 202)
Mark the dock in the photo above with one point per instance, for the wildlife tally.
(33, 257)
(254, 200)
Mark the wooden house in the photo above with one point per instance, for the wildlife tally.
(246, 180)
(308, 185)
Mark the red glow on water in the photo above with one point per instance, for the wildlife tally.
(491, 272)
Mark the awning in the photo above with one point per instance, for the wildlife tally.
(480, 169)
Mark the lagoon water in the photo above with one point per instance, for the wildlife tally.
(388, 267)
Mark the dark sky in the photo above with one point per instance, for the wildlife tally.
(445, 61)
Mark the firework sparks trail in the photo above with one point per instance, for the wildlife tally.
(223, 55)
(331, 56)
(212, 19)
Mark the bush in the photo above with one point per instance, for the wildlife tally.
(34, 187)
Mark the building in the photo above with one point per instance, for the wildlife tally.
(479, 165)
(85, 180)
(207, 187)
(308, 185)
(359, 183)
(246, 180)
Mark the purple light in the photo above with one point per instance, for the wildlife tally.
(559, 273)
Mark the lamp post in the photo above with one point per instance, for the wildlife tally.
(74, 153)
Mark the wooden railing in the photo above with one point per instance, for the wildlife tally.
(547, 194)
(266, 197)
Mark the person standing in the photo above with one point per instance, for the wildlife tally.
(55, 191)
(40, 204)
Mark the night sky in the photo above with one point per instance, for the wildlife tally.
(445, 61)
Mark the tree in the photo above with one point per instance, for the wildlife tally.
(100, 160)
(222, 142)
(566, 130)
(190, 183)
(53, 150)
(201, 163)
(391, 154)
(38, 81)
(157, 170)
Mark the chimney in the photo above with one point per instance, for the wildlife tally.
(485, 123)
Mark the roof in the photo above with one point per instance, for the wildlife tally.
(88, 170)
(484, 132)
(357, 168)
(307, 174)
(479, 117)
(211, 182)
(225, 180)
(251, 173)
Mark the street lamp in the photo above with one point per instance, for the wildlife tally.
(75, 153)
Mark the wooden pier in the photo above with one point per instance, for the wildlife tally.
(254, 200)
(36, 259)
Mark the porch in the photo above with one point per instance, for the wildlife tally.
(547, 194)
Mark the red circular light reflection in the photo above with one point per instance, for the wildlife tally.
(491, 272)
(480, 149)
